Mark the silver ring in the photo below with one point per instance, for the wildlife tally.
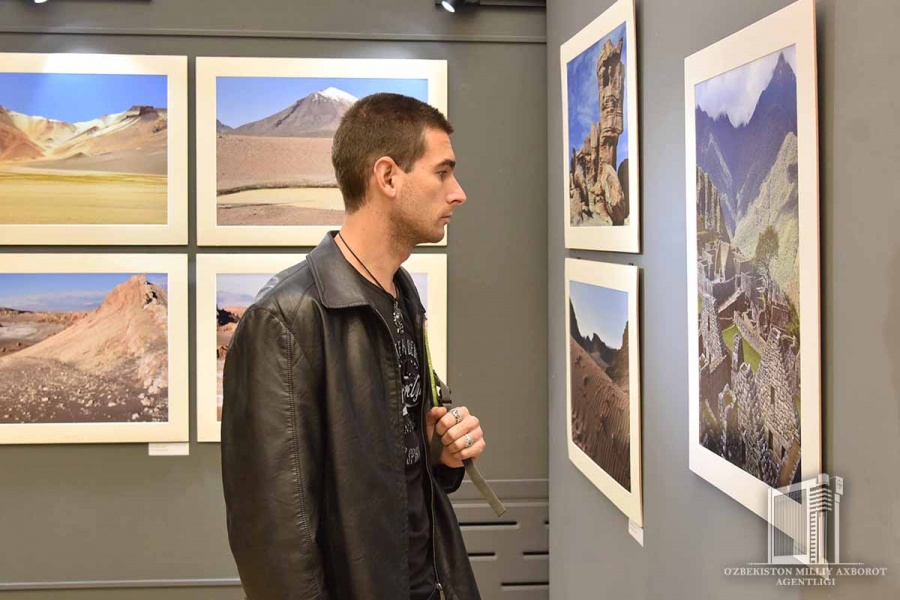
(469, 441)
(456, 415)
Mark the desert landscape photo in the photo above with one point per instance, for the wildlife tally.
(234, 294)
(83, 348)
(598, 133)
(83, 149)
(273, 146)
(599, 372)
(748, 268)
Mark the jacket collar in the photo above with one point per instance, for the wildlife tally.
(338, 283)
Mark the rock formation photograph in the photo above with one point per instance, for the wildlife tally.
(84, 348)
(598, 133)
(748, 267)
(273, 145)
(83, 149)
(599, 371)
(234, 294)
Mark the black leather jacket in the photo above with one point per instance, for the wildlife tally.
(313, 460)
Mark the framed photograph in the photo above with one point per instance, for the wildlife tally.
(227, 285)
(93, 149)
(93, 348)
(429, 272)
(603, 389)
(753, 258)
(264, 134)
(598, 66)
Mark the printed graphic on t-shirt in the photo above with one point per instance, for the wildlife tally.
(412, 397)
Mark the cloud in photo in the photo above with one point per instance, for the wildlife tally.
(736, 92)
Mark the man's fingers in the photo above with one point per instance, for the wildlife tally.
(431, 418)
(459, 444)
(449, 420)
(435, 414)
(454, 459)
(458, 432)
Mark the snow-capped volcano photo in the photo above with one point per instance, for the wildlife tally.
(273, 145)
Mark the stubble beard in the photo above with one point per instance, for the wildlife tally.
(409, 232)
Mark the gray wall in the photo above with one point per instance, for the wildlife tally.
(693, 531)
(82, 512)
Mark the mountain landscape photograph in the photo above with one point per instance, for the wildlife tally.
(234, 294)
(598, 133)
(748, 267)
(273, 145)
(599, 372)
(83, 348)
(83, 149)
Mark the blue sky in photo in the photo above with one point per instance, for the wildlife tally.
(242, 100)
(736, 92)
(74, 98)
(63, 292)
(238, 289)
(600, 310)
(583, 94)
(421, 281)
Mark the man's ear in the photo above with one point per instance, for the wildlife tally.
(386, 172)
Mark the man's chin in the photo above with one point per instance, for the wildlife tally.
(425, 236)
(436, 236)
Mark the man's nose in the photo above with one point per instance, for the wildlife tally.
(458, 195)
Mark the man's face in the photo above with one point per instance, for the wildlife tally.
(429, 193)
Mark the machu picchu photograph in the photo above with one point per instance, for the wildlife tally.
(748, 266)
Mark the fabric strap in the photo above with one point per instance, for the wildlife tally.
(436, 446)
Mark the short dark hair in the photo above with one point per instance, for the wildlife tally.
(380, 125)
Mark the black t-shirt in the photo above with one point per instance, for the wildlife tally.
(421, 567)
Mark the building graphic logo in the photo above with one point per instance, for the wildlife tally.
(804, 522)
(804, 544)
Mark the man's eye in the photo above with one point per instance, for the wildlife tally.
(443, 174)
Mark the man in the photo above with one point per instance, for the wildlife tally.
(331, 489)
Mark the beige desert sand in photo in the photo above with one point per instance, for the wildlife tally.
(600, 412)
(45, 196)
(111, 170)
(265, 180)
(106, 365)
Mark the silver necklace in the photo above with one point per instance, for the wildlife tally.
(398, 316)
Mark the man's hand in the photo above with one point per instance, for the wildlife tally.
(460, 433)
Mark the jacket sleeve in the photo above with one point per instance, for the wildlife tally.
(272, 445)
(449, 478)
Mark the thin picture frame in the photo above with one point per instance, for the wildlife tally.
(210, 69)
(210, 266)
(795, 26)
(176, 427)
(620, 278)
(607, 237)
(175, 230)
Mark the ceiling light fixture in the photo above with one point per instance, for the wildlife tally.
(457, 5)
(39, 1)
(454, 5)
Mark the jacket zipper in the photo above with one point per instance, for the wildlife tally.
(420, 327)
(437, 581)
